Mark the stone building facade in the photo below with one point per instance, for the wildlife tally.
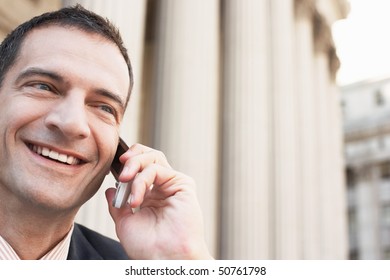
(240, 95)
(366, 109)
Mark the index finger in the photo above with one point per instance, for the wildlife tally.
(137, 158)
(135, 149)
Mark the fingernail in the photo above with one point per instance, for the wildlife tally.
(130, 199)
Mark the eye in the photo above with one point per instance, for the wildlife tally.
(107, 112)
(42, 86)
(107, 108)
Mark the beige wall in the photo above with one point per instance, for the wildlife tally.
(240, 94)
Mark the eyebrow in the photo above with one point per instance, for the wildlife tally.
(114, 97)
(35, 71)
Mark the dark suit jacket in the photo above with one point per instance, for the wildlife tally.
(87, 244)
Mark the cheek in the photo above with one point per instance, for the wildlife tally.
(106, 138)
(18, 112)
(25, 107)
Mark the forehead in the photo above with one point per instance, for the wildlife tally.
(75, 53)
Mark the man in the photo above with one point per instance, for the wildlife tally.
(65, 80)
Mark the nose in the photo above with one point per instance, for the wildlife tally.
(69, 117)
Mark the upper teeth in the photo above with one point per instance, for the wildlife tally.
(55, 155)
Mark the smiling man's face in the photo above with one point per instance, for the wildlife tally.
(61, 104)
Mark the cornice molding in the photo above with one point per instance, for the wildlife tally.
(304, 8)
(323, 42)
(322, 35)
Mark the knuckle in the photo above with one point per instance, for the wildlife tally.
(187, 180)
(136, 147)
(161, 158)
(133, 161)
(160, 155)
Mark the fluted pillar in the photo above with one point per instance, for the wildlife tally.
(309, 240)
(245, 177)
(368, 212)
(286, 188)
(184, 88)
(340, 233)
(325, 177)
(129, 17)
(330, 181)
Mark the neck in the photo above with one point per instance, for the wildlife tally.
(31, 232)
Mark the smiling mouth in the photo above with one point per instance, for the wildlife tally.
(54, 155)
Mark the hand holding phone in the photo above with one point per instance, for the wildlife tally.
(163, 204)
(123, 190)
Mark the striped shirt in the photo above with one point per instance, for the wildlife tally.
(59, 252)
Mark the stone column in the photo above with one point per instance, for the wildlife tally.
(340, 230)
(286, 188)
(330, 165)
(129, 17)
(368, 213)
(330, 181)
(184, 84)
(309, 241)
(245, 177)
(325, 182)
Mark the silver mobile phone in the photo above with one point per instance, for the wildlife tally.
(122, 189)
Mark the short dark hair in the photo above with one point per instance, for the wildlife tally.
(74, 16)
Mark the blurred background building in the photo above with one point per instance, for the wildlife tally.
(366, 107)
(241, 95)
